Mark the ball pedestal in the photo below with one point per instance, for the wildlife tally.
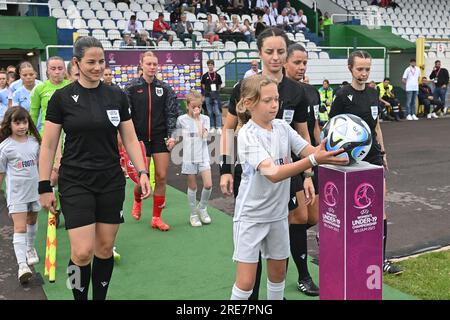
(351, 232)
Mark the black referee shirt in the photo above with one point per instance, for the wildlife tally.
(292, 105)
(363, 104)
(313, 101)
(90, 120)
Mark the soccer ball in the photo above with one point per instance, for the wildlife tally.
(349, 132)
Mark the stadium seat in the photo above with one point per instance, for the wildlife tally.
(122, 6)
(198, 26)
(114, 35)
(99, 34)
(63, 23)
(219, 45)
(116, 43)
(109, 6)
(122, 25)
(153, 15)
(116, 15)
(312, 55)
(141, 16)
(82, 5)
(106, 44)
(205, 56)
(323, 55)
(177, 44)
(94, 24)
(58, 13)
(190, 16)
(228, 55)
(54, 4)
(253, 45)
(146, 7)
(67, 3)
(230, 45)
(201, 16)
(79, 24)
(96, 5)
(164, 44)
(88, 14)
(242, 45)
(136, 7)
(73, 13)
(215, 55)
(241, 55)
(102, 14)
(148, 25)
(253, 54)
(83, 32)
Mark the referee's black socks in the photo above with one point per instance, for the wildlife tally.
(299, 249)
(101, 276)
(79, 279)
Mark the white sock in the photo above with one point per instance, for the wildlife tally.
(275, 291)
(20, 247)
(31, 235)
(192, 198)
(206, 193)
(238, 294)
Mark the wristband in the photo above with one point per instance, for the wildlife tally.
(141, 172)
(313, 160)
(225, 165)
(44, 187)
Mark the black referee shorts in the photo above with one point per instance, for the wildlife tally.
(156, 145)
(296, 186)
(89, 196)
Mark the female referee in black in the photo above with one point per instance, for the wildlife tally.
(360, 100)
(91, 183)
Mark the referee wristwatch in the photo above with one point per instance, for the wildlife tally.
(308, 174)
(141, 172)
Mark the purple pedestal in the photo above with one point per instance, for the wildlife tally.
(351, 232)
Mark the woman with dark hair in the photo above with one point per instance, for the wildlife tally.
(91, 183)
(362, 101)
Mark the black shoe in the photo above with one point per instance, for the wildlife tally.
(391, 268)
(308, 287)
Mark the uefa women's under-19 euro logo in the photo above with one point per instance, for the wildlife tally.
(364, 196)
(330, 194)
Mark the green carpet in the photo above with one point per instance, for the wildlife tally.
(183, 263)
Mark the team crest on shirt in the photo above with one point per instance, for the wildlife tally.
(159, 92)
(114, 117)
(374, 110)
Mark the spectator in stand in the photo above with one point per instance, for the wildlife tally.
(427, 99)
(291, 13)
(268, 19)
(441, 78)
(249, 31)
(301, 22)
(236, 29)
(260, 7)
(325, 21)
(283, 21)
(175, 17)
(173, 5)
(186, 5)
(259, 26)
(222, 29)
(411, 78)
(253, 69)
(199, 6)
(127, 41)
(160, 28)
(184, 28)
(143, 40)
(133, 26)
(388, 102)
(371, 84)
(210, 30)
(274, 10)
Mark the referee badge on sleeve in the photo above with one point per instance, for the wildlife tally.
(288, 115)
(374, 112)
(159, 91)
(114, 117)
